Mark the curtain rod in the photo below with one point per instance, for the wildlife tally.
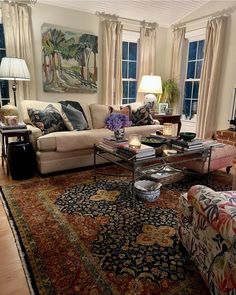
(116, 17)
(226, 11)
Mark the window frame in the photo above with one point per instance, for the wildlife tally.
(197, 36)
(130, 37)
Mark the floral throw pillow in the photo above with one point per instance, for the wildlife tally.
(48, 120)
(142, 116)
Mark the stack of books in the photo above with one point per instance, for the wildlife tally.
(187, 145)
(110, 143)
(143, 152)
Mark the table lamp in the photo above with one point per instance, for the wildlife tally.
(14, 69)
(150, 85)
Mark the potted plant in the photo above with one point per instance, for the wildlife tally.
(170, 92)
(117, 122)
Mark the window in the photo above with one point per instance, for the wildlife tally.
(193, 74)
(4, 87)
(129, 68)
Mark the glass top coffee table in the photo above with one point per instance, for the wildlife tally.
(151, 168)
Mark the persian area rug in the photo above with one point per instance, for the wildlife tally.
(86, 238)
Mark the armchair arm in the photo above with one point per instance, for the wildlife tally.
(218, 208)
(35, 134)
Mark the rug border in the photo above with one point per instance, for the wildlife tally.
(20, 246)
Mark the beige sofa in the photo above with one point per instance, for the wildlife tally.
(65, 150)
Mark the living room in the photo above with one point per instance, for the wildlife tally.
(83, 17)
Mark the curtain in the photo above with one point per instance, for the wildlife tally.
(178, 62)
(18, 38)
(208, 88)
(111, 62)
(147, 55)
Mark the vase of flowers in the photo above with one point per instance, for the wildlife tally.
(117, 123)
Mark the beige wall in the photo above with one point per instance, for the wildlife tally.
(228, 70)
(88, 23)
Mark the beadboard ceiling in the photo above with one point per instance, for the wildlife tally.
(164, 12)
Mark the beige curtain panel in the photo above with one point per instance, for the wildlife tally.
(178, 62)
(146, 56)
(211, 70)
(18, 37)
(111, 62)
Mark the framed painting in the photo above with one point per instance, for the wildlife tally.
(163, 108)
(69, 60)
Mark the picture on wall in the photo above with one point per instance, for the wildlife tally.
(69, 60)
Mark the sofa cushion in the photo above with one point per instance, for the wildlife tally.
(99, 112)
(75, 118)
(48, 120)
(142, 116)
(124, 110)
(69, 141)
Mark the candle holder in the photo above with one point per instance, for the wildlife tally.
(135, 141)
(167, 129)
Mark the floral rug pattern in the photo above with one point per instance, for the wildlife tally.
(75, 243)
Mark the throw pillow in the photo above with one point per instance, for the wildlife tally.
(48, 120)
(124, 110)
(142, 116)
(75, 117)
(75, 104)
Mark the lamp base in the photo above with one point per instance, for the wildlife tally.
(151, 98)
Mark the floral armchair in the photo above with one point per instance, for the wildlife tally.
(207, 229)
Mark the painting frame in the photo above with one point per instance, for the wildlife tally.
(163, 106)
(69, 60)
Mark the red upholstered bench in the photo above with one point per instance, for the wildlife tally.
(221, 157)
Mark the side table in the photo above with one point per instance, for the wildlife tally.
(6, 134)
(175, 119)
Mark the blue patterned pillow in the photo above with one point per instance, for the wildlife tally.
(48, 120)
(142, 116)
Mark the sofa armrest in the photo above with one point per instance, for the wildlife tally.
(218, 208)
(35, 134)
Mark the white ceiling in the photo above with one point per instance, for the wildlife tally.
(164, 12)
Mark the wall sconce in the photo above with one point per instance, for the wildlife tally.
(135, 141)
(167, 129)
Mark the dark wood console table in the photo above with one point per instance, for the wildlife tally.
(175, 119)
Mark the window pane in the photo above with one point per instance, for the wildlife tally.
(186, 107)
(192, 50)
(195, 89)
(2, 53)
(125, 88)
(124, 69)
(132, 70)
(198, 69)
(4, 89)
(125, 101)
(188, 90)
(200, 49)
(132, 89)
(132, 51)
(2, 40)
(124, 50)
(191, 69)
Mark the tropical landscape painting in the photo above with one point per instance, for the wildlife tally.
(69, 60)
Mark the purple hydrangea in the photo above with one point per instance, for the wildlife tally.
(116, 121)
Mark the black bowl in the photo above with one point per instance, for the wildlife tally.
(187, 136)
(153, 141)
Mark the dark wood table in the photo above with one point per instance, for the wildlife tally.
(175, 119)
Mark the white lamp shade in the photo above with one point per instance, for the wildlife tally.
(14, 69)
(150, 84)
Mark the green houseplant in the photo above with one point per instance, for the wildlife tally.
(170, 92)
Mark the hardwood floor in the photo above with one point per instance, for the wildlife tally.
(12, 277)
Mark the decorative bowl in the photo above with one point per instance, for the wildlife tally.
(187, 136)
(153, 141)
(143, 189)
